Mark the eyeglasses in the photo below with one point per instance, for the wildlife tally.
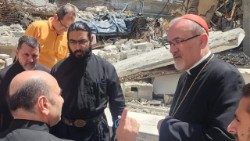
(177, 41)
(80, 42)
(66, 27)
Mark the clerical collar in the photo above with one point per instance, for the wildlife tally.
(197, 63)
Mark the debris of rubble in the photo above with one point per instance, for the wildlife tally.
(124, 35)
(123, 49)
(9, 36)
(235, 57)
(138, 90)
(136, 105)
(5, 60)
(25, 11)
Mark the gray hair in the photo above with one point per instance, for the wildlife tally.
(196, 28)
(30, 41)
(64, 10)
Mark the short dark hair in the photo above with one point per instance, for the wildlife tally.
(246, 90)
(79, 25)
(30, 41)
(27, 95)
(65, 9)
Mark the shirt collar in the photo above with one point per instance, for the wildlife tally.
(197, 63)
(50, 23)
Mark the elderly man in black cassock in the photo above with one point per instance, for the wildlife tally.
(208, 91)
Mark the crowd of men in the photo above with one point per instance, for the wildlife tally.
(64, 97)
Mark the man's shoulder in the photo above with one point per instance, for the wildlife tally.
(221, 69)
(42, 68)
(30, 135)
(39, 23)
(100, 60)
(5, 70)
(220, 65)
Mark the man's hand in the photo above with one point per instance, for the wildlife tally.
(128, 128)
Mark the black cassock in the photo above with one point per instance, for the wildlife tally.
(204, 103)
(88, 85)
(28, 130)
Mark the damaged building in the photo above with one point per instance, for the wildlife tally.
(130, 37)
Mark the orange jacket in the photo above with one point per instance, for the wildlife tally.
(53, 46)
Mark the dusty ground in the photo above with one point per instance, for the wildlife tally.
(148, 107)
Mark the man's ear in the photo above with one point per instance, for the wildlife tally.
(17, 51)
(55, 17)
(93, 40)
(43, 105)
(203, 40)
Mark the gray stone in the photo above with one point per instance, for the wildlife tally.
(218, 41)
(138, 90)
(146, 46)
(8, 61)
(2, 63)
(4, 56)
(111, 48)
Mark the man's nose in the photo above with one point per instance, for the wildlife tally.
(173, 48)
(78, 46)
(232, 127)
(30, 59)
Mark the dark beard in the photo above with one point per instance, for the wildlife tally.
(83, 55)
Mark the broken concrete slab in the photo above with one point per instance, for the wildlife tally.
(218, 41)
(4, 56)
(138, 90)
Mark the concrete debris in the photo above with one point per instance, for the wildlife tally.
(14, 30)
(5, 60)
(146, 107)
(9, 36)
(97, 9)
(24, 11)
(138, 90)
(218, 41)
(123, 49)
(4, 56)
(143, 54)
(236, 57)
(2, 63)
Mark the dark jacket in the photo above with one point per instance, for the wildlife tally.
(6, 75)
(204, 103)
(26, 130)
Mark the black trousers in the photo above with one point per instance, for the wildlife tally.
(90, 132)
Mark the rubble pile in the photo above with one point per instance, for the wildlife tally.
(124, 49)
(9, 36)
(5, 60)
(133, 43)
(154, 107)
(24, 11)
(235, 57)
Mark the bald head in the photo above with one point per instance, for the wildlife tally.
(27, 86)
